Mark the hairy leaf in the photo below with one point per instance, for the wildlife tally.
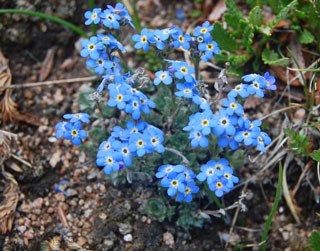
(224, 39)
(234, 15)
(315, 155)
(248, 34)
(315, 240)
(284, 13)
(270, 57)
(298, 142)
(255, 16)
(306, 37)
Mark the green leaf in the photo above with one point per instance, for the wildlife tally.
(234, 15)
(270, 57)
(85, 103)
(306, 37)
(298, 142)
(255, 16)
(284, 13)
(315, 155)
(315, 240)
(156, 208)
(98, 134)
(238, 59)
(224, 39)
(195, 13)
(248, 34)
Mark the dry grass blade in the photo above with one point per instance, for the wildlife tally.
(5, 140)
(286, 193)
(8, 204)
(47, 64)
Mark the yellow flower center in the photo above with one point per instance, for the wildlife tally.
(143, 39)
(74, 133)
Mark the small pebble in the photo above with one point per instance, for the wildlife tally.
(128, 238)
(37, 203)
(88, 189)
(124, 228)
(22, 229)
(71, 192)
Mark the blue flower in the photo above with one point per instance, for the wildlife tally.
(183, 70)
(125, 152)
(119, 9)
(109, 160)
(258, 83)
(159, 38)
(181, 40)
(270, 81)
(142, 40)
(223, 123)
(209, 49)
(239, 90)
(145, 103)
(100, 65)
(110, 20)
(262, 140)
(232, 107)
(138, 143)
(227, 140)
(169, 171)
(203, 30)
(155, 139)
(219, 187)
(119, 95)
(185, 90)
(162, 76)
(251, 77)
(91, 47)
(198, 139)
(135, 127)
(208, 172)
(92, 16)
(106, 145)
(133, 108)
(174, 185)
(60, 129)
(74, 133)
(202, 102)
(230, 179)
(246, 136)
(202, 122)
(190, 189)
(83, 117)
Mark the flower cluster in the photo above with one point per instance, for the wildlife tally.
(138, 139)
(111, 18)
(72, 129)
(101, 48)
(179, 180)
(129, 99)
(230, 123)
(200, 44)
(218, 175)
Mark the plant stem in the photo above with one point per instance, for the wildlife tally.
(273, 210)
(184, 159)
(93, 26)
(54, 19)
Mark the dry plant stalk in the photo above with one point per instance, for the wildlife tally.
(10, 197)
(7, 105)
(8, 203)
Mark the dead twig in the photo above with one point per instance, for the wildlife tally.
(52, 82)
